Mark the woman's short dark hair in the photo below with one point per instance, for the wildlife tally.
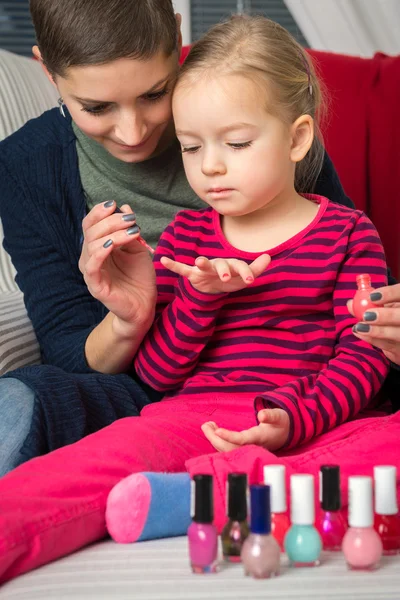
(89, 32)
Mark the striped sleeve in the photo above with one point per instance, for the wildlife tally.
(319, 402)
(185, 324)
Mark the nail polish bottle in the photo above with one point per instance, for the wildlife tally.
(260, 552)
(331, 522)
(302, 542)
(236, 529)
(274, 476)
(202, 535)
(361, 300)
(387, 519)
(362, 546)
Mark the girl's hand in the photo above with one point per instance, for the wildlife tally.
(382, 328)
(271, 433)
(117, 269)
(219, 275)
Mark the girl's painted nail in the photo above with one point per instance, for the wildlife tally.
(249, 279)
(225, 275)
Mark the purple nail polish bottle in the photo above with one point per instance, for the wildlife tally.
(202, 535)
(331, 522)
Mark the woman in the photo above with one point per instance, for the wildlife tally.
(112, 139)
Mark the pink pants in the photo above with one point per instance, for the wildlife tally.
(55, 504)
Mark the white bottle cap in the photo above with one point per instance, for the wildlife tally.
(302, 507)
(274, 476)
(385, 490)
(361, 512)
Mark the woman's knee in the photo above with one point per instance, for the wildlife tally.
(17, 402)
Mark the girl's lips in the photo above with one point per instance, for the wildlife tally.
(220, 192)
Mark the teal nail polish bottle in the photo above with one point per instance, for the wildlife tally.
(302, 542)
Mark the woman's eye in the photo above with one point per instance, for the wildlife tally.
(239, 145)
(156, 95)
(191, 149)
(96, 110)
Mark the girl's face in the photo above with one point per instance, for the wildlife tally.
(124, 105)
(238, 157)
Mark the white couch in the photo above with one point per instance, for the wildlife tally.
(25, 92)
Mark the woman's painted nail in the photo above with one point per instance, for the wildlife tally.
(370, 316)
(108, 204)
(362, 328)
(133, 230)
(375, 296)
(107, 244)
(129, 217)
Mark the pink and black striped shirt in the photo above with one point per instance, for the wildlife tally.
(287, 338)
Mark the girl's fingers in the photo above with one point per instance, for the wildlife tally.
(223, 269)
(219, 444)
(176, 267)
(259, 265)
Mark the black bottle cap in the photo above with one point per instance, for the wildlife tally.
(237, 496)
(203, 499)
(330, 487)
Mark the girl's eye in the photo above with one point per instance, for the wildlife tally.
(96, 110)
(153, 97)
(239, 145)
(191, 149)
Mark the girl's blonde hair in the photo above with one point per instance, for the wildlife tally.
(265, 52)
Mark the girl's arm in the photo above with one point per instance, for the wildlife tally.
(185, 324)
(319, 402)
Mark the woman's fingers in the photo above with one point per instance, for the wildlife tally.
(103, 221)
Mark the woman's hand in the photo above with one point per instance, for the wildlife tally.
(117, 269)
(381, 326)
(271, 433)
(219, 275)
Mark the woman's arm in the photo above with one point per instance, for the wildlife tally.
(75, 330)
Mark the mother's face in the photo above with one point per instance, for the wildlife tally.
(125, 105)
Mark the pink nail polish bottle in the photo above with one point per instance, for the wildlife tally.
(362, 546)
(202, 535)
(274, 476)
(331, 522)
(387, 519)
(361, 300)
(260, 552)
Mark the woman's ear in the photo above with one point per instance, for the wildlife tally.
(178, 18)
(302, 135)
(37, 54)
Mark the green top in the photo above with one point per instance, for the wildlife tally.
(156, 189)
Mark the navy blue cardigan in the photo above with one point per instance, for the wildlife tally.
(42, 205)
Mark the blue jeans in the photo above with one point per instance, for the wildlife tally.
(16, 410)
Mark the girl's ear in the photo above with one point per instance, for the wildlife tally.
(302, 135)
(37, 54)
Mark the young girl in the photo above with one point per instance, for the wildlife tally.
(240, 330)
(252, 331)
